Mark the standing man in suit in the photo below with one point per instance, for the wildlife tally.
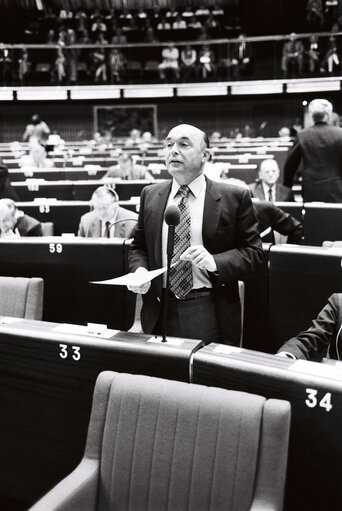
(267, 187)
(320, 148)
(107, 219)
(216, 244)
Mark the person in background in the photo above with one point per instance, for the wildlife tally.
(241, 57)
(293, 55)
(17, 221)
(36, 159)
(107, 219)
(319, 147)
(170, 56)
(267, 186)
(273, 222)
(127, 169)
(36, 130)
(323, 337)
(331, 61)
(6, 189)
(206, 62)
(216, 244)
(188, 59)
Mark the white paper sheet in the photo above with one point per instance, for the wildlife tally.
(132, 279)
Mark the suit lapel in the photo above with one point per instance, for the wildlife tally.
(158, 209)
(211, 212)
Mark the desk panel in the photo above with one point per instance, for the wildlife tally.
(322, 222)
(315, 451)
(67, 267)
(301, 281)
(47, 382)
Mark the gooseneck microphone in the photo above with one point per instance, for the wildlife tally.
(172, 218)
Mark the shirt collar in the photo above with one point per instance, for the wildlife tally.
(196, 186)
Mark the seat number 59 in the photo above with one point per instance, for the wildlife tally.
(312, 400)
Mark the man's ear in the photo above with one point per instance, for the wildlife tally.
(206, 155)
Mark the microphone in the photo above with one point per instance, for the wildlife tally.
(172, 218)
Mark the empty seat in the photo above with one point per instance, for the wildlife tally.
(158, 444)
(21, 297)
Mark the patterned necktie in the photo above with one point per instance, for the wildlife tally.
(270, 194)
(107, 230)
(181, 274)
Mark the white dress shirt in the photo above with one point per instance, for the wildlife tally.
(266, 189)
(196, 205)
(111, 228)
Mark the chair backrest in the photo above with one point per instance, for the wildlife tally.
(21, 297)
(48, 228)
(166, 444)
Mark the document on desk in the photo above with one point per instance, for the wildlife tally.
(132, 279)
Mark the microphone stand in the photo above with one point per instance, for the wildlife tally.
(169, 252)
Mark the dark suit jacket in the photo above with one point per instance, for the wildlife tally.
(29, 226)
(314, 342)
(320, 148)
(269, 215)
(229, 233)
(6, 189)
(282, 193)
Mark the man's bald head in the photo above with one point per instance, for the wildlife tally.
(186, 151)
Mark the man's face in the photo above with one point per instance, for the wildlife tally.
(125, 163)
(104, 208)
(185, 153)
(269, 172)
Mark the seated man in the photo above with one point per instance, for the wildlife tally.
(241, 57)
(267, 187)
(127, 169)
(14, 222)
(293, 55)
(107, 219)
(325, 331)
(273, 219)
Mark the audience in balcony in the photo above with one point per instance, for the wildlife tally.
(241, 57)
(163, 24)
(314, 14)
(313, 54)
(179, 23)
(207, 64)
(117, 65)
(188, 63)
(331, 61)
(170, 56)
(293, 56)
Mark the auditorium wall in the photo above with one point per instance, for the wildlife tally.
(75, 121)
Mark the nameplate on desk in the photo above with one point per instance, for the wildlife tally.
(224, 349)
(105, 333)
(6, 320)
(317, 369)
(174, 341)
